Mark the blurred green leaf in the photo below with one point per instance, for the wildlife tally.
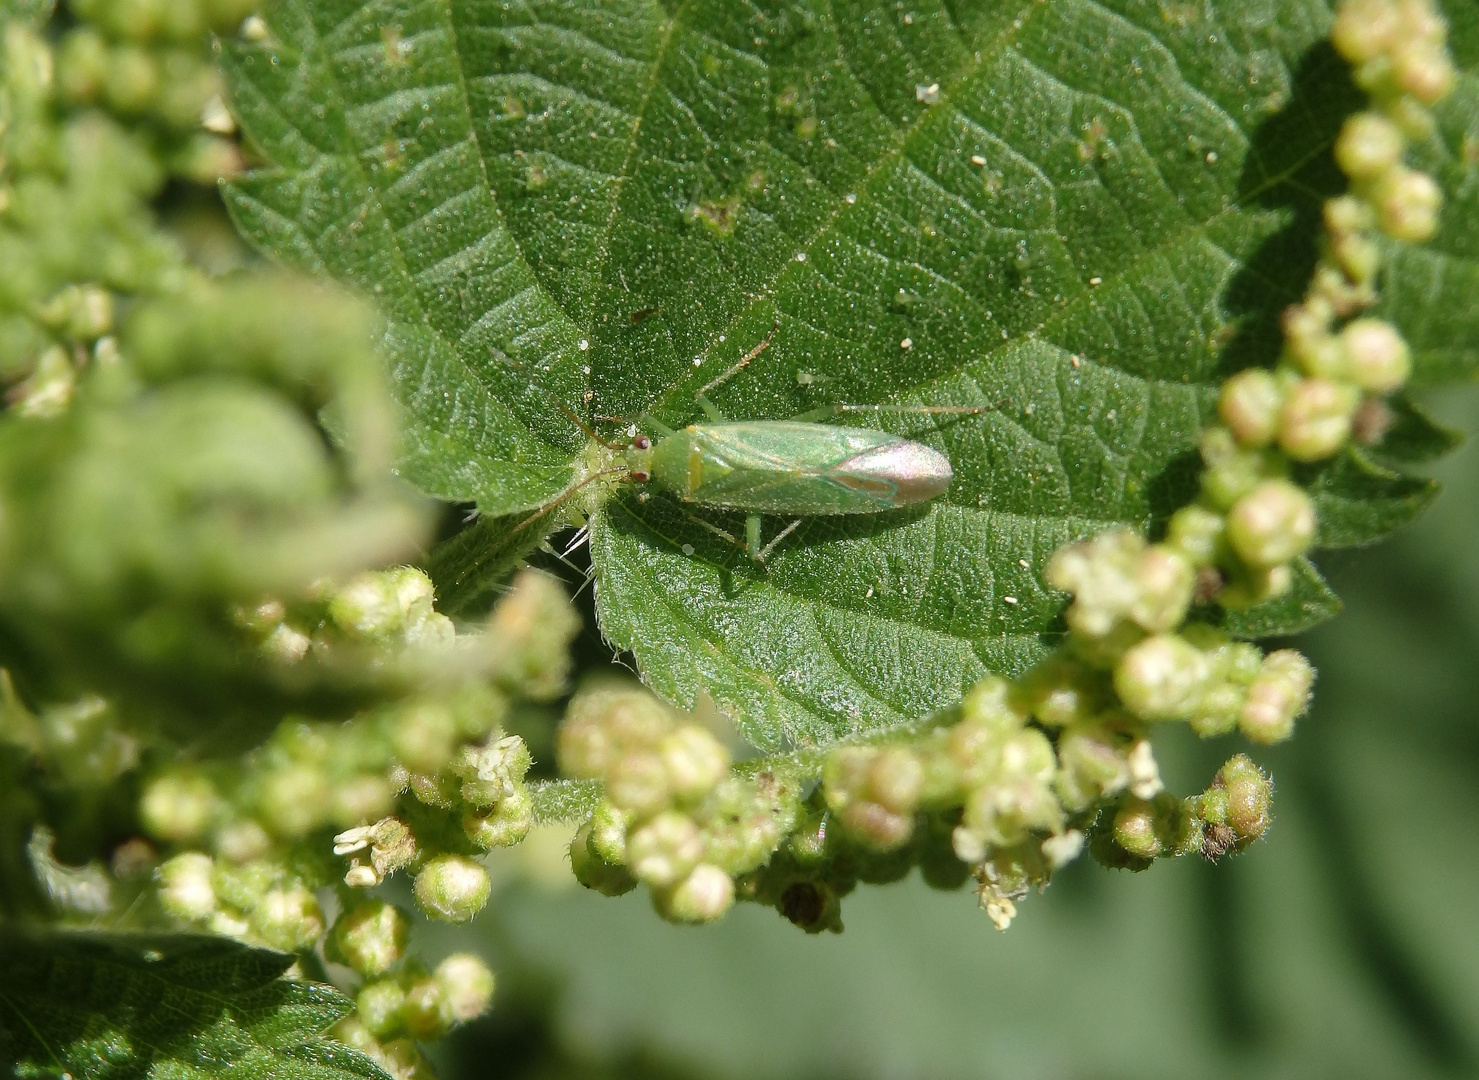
(117, 1007)
(1080, 215)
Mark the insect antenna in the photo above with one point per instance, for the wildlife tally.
(744, 361)
(564, 496)
(569, 412)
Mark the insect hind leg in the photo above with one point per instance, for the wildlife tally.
(760, 555)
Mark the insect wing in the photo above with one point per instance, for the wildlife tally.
(783, 467)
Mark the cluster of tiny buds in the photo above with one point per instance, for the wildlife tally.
(424, 783)
(148, 60)
(674, 817)
(388, 609)
(399, 1002)
(1026, 771)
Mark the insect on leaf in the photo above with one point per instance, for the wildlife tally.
(1078, 215)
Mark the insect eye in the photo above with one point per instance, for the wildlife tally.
(642, 442)
(640, 476)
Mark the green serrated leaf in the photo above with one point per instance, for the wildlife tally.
(1359, 501)
(1079, 215)
(1309, 602)
(1414, 438)
(116, 1006)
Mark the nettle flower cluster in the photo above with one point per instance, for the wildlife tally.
(674, 816)
(92, 126)
(426, 783)
(1013, 784)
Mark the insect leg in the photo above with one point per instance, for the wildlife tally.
(714, 529)
(562, 497)
(744, 362)
(768, 548)
(752, 536)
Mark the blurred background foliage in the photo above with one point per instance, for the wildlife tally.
(1343, 945)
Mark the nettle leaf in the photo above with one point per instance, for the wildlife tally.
(1079, 215)
(121, 1006)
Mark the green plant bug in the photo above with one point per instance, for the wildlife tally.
(787, 468)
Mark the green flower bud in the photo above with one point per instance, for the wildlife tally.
(1135, 829)
(969, 846)
(695, 762)
(467, 986)
(132, 81)
(242, 841)
(424, 736)
(47, 391)
(609, 832)
(1249, 794)
(1363, 29)
(1359, 259)
(1316, 419)
(1348, 214)
(1218, 710)
(185, 888)
(1407, 205)
(1249, 404)
(665, 849)
(360, 799)
(294, 800)
(81, 312)
(1277, 697)
(378, 1005)
(1423, 70)
(1091, 765)
(452, 888)
(1059, 691)
(503, 827)
(288, 918)
(1195, 532)
(638, 783)
(596, 873)
(603, 723)
(531, 628)
(1369, 146)
(1161, 678)
(845, 774)
(1272, 524)
(1380, 361)
(895, 779)
(402, 1059)
(425, 1014)
(82, 65)
(493, 772)
(367, 607)
(439, 789)
(1100, 574)
(703, 896)
(1164, 580)
(744, 826)
(988, 703)
(179, 807)
(1231, 471)
(875, 826)
(369, 937)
